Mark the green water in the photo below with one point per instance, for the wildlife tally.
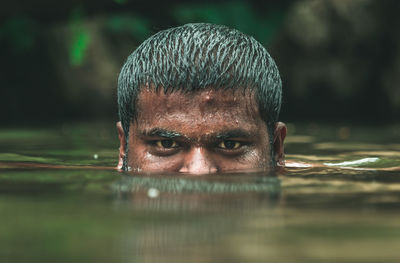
(58, 203)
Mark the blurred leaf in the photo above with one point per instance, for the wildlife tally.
(80, 38)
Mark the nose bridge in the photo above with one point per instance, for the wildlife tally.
(198, 162)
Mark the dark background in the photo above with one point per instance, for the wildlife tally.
(339, 60)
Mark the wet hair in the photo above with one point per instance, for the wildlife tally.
(199, 56)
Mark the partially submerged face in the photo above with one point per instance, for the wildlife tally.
(199, 132)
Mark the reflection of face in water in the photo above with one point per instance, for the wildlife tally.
(244, 191)
(193, 214)
(200, 132)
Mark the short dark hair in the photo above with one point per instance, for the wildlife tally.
(199, 56)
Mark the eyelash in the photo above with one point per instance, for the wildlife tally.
(160, 149)
(221, 145)
(237, 145)
(159, 144)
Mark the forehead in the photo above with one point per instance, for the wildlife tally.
(205, 104)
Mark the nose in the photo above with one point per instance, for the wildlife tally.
(197, 162)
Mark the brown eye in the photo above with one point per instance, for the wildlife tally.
(166, 144)
(229, 145)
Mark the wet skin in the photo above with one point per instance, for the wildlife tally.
(199, 132)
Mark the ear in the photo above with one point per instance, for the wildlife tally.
(279, 138)
(122, 145)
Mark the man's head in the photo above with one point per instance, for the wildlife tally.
(200, 98)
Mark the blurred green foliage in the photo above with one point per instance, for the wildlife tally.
(120, 1)
(19, 33)
(80, 37)
(130, 24)
(237, 14)
(338, 59)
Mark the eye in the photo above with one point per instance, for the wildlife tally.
(229, 145)
(166, 144)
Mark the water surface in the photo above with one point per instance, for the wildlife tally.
(60, 201)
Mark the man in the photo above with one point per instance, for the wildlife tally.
(198, 99)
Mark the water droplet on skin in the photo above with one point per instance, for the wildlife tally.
(136, 169)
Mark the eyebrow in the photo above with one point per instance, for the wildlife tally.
(233, 134)
(158, 132)
(225, 135)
